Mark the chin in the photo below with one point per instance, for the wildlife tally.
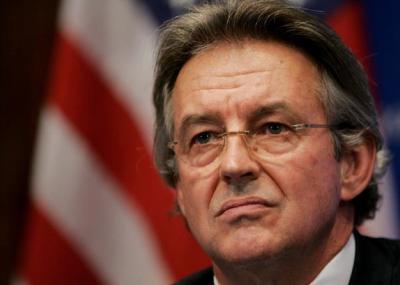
(245, 258)
(244, 249)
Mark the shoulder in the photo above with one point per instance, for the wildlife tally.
(377, 261)
(203, 277)
(379, 247)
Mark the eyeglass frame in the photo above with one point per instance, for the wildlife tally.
(295, 127)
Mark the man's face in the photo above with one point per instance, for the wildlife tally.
(242, 207)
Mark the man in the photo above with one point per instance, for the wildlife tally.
(267, 130)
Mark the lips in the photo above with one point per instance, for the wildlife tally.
(242, 202)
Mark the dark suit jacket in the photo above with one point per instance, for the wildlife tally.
(377, 262)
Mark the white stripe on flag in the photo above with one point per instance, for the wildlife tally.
(119, 38)
(78, 196)
(19, 281)
(385, 222)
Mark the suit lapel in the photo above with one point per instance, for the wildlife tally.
(374, 262)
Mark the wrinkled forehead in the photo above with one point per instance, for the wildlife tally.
(236, 78)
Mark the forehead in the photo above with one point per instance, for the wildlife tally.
(236, 78)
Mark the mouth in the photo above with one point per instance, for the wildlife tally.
(243, 205)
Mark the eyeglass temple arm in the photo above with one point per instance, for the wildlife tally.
(308, 126)
(340, 126)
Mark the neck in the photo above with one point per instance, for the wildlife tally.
(294, 266)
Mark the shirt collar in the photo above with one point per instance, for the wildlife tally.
(338, 270)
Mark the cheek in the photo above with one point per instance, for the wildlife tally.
(196, 191)
(313, 185)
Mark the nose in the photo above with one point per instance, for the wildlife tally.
(237, 164)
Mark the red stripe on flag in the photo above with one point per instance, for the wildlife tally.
(348, 22)
(48, 257)
(104, 123)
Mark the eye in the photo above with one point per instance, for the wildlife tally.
(203, 138)
(274, 128)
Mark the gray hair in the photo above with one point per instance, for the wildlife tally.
(344, 92)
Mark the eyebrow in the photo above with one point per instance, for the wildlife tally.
(267, 110)
(194, 119)
(254, 116)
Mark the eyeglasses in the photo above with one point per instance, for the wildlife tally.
(272, 138)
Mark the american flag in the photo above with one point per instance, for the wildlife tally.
(99, 212)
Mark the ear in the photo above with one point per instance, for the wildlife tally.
(357, 166)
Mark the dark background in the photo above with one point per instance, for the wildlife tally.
(27, 32)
